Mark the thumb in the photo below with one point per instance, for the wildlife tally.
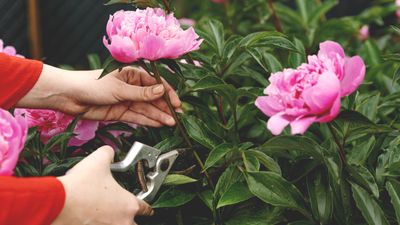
(99, 160)
(138, 93)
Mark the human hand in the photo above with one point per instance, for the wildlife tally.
(131, 95)
(94, 197)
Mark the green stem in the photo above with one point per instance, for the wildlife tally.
(179, 124)
(167, 6)
(342, 153)
(275, 18)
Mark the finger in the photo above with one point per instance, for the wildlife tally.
(175, 101)
(154, 113)
(144, 209)
(162, 105)
(136, 93)
(98, 160)
(140, 119)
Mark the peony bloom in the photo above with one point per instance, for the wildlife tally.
(312, 92)
(148, 34)
(364, 33)
(13, 133)
(8, 50)
(51, 123)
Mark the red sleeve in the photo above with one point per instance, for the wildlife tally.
(17, 77)
(34, 201)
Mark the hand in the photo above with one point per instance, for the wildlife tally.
(131, 95)
(94, 197)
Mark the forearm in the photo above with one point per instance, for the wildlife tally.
(55, 88)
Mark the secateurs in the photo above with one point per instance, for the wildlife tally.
(158, 164)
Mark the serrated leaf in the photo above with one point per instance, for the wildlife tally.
(369, 208)
(178, 179)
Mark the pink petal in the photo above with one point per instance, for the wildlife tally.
(299, 126)
(330, 48)
(353, 76)
(152, 48)
(277, 123)
(333, 112)
(268, 105)
(121, 48)
(321, 96)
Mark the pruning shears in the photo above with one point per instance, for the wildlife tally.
(157, 164)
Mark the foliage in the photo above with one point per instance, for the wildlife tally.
(255, 178)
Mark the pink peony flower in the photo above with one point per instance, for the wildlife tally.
(9, 50)
(311, 93)
(51, 123)
(13, 133)
(364, 33)
(148, 34)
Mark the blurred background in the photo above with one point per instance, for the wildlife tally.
(65, 31)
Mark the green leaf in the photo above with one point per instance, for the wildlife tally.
(59, 168)
(369, 208)
(320, 11)
(267, 39)
(173, 65)
(373, 56)
(94, 61)
(265, 160)
(230, 176)
(178, 179)
(302, 222)
(359, 124)
(110, 65)
(321, 197)
(256, 215)
(174, 197)
(207, 197)
(199, 132)
(217, 154)
(393, 188)
(293, 147)
(251, 162)
(169, 144)
(57, 140)
(363, 176)
(213, 34)
(299, 57)
(237, 193)
(111, 2)
(275, 190)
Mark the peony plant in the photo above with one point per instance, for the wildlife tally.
(339, 162)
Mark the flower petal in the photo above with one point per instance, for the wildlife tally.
(330, 48)
(353, 76)
(269, 105)
(320, 97)
(299, 126)
(277, 123)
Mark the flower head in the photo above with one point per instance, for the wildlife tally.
(148, 34)
(12, 138)
(364, 33)
(51, 123)
(312, 92)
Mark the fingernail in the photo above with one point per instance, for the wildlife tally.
(152, 213)
(179, 110)
(158, 89)
(170, 120)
